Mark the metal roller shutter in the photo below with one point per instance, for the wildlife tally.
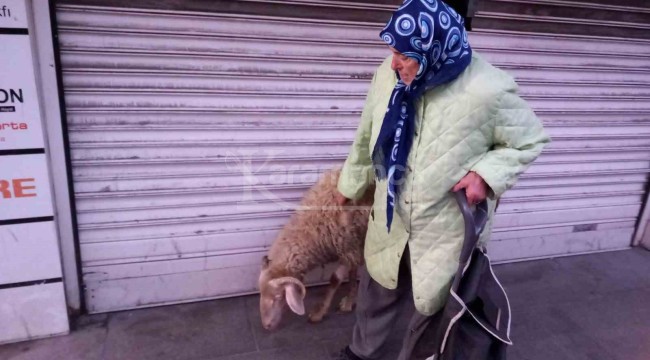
(193, 134)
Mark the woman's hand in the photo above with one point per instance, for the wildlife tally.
(475, 187)
(340, 199)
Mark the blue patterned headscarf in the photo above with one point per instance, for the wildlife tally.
(432, 33)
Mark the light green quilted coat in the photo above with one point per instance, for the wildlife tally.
(475, 123)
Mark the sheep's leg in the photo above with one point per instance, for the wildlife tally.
(320, 310)
(348, 302)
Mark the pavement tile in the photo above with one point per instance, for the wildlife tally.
(188, 331)
(628, 343)
(576, 346)
(613, 312)
(612, 271)
(310, 353)
(543, 282)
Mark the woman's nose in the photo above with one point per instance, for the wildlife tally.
(394, 64)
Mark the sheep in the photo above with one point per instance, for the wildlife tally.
(320, 232)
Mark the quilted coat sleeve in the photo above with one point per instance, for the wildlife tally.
(518, 139)
(357, 172)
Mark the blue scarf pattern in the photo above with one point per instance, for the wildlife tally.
(432, 33)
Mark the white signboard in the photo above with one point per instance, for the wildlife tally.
(33, 311)
(20, 118)
(13, 14)
(24, 187)
(29, 252)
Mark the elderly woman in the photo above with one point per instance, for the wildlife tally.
(438, 118)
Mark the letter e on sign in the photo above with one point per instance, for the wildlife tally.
(20, 187)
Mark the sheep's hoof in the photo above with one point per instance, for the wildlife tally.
(315, 318)
(317, 314)
(346, 305)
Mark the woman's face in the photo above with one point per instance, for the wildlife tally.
(405, 66)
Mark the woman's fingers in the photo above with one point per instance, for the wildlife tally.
(475, 188)
(462, 184)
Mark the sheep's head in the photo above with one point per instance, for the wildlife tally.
(276, 293)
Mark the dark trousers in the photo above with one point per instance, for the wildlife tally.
(377, 311)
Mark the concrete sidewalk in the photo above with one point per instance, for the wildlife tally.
(588, 307)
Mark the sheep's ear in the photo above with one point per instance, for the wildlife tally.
(265, 262)
(294, 292)
(294, 298)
